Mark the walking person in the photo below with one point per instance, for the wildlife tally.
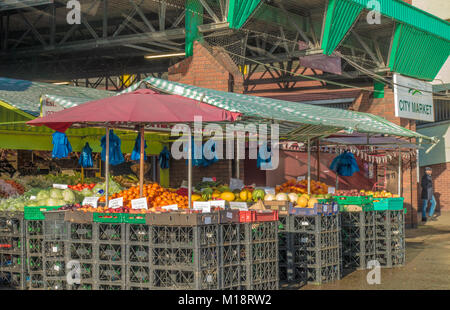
(428, 196)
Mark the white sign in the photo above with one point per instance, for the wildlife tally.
(413, 98)
(236, 184)
(331, 190)
(60, 186)
(170, 207)
(204, 206)
(301, 178)
(140, 203)
(49, 107)
(32, 197)
(207, 180)
(269, 190)
(241, 206)
(217, 204)
(91, 201)
(116, 203)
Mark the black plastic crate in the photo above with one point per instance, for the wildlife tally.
(83, 232)
(111, 275)
(138, 276)
(35, 280)
(111, 232)
(182, 279)
(138, 233)
(12, 224)
(320, 275)
(15, 280)
(184, 236)
(55, 283)
(390, 259)
(314, 223)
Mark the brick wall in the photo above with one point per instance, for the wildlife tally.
(441, 185)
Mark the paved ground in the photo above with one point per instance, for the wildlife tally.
(427, 263)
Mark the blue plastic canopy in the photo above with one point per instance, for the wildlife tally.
(345, 164)
(164, 158)
(61, 145)
(85, 160)
(115, 152)
(264, 161)
(136, 154)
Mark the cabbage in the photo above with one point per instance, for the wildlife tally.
(51, 202)
(68, 195)
(42, 202)
(44, 194)
(56, 193)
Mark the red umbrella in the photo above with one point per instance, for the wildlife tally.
(140, 106)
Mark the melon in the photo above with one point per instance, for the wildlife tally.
(228, 196)
(282, 197)
(302, 202)
(312, 202)
(293, 197)
(269, 197)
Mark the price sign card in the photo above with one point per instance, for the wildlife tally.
(60, 186)
(217, 204)
(170, 207)
(331, 190)
(241, 206)
(207, 180)
(236, 184)
(91, 201)
(204, 206)
(301, 178)
(138, 204)
(269, 190)
(116, 203)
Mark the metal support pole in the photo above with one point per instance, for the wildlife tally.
(107, 167)
(190, 171)
(318, 161)
(399, 172)
(309, 166)
(141, 163)
(237, 159)
(417, 166)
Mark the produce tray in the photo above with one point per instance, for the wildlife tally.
(229, 216)
(108, 217)
(381, 204)
(37, 213)
(365, 208)
(251, 216)
(134, 218)
(353, 200)
(319, 208)
(281, 206)
(79, 217)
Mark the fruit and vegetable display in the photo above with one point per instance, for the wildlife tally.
(301, 187)
(298, 200)
(157, 197)
(362, 192)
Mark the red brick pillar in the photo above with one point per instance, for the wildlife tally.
(209, 67)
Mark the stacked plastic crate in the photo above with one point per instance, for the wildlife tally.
(358, 240)
(138, 267)
(390, 238)
(12, 250)
(184, 251)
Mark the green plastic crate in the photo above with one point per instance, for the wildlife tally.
(388, 204)
(134, 218)
(37, 213)
(353, 200)
(108, 217)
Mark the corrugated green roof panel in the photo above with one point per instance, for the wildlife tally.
(408, 14)
(297, 118)
(340, 17)
(416, 53)
(25, 95)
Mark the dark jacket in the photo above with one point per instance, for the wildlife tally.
(427, 187)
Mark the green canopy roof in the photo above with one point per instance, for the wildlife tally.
(296, 120)
(25, 95)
